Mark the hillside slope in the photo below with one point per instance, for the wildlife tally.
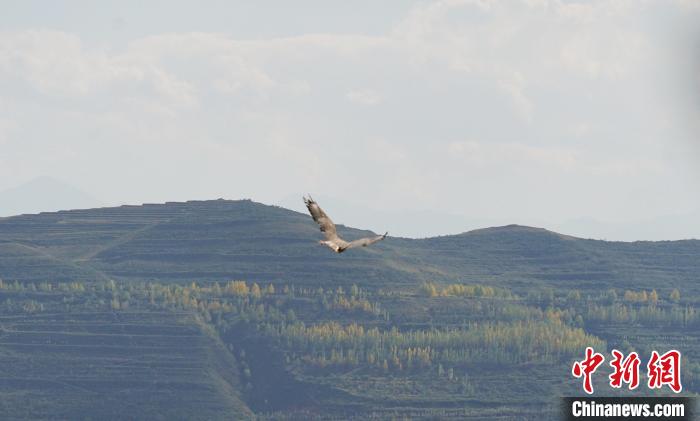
(222, 240)
(114, 365)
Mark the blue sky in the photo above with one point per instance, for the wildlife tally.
(421, 117)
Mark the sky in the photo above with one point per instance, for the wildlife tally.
(421, 117)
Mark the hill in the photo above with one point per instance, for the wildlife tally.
(220, 239)
(230, 309)
(107, 365)
(43, 193)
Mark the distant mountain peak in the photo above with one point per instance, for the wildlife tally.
(44, 194)
(515, 229)
(510, 227)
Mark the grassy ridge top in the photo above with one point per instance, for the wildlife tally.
(222, 239)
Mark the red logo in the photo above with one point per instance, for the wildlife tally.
(665, 369)
(587, 367)
(661, 370)
(626, 370)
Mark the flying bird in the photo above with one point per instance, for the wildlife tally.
(333, 241)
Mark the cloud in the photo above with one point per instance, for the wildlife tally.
(486, 154)
(364, 97)
(56, 64)
(514, 88)
(552, 93)
(6, 127)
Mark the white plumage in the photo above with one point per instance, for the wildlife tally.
(333, 241)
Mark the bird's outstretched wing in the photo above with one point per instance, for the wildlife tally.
(364, 242)
(333, 241)
(324, 222)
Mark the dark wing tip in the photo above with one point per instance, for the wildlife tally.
(308, 200)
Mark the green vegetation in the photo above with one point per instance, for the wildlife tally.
(214, 310)
(215, 240)
(66, 354)
(430, 289)
(289, 351)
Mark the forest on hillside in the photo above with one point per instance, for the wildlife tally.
(282, 350)
(213, 308)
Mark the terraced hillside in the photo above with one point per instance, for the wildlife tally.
(113, 365)
(132, 312)
(236, 350)
(220, 239)
(210, 240)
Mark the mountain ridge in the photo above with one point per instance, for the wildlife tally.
(494, 228)
(219, 240)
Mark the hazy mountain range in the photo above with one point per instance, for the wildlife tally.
(47, 194)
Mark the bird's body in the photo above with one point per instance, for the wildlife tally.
(333, 241)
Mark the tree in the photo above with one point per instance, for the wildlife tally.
(255, 290)
(467, 387)
(291, 316)
(237, 288)
(644, 297)
(611, 296)
(675, 295)
(428, 289)
(653, 297)
(574, 296)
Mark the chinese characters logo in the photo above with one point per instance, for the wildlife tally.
(661, 370)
